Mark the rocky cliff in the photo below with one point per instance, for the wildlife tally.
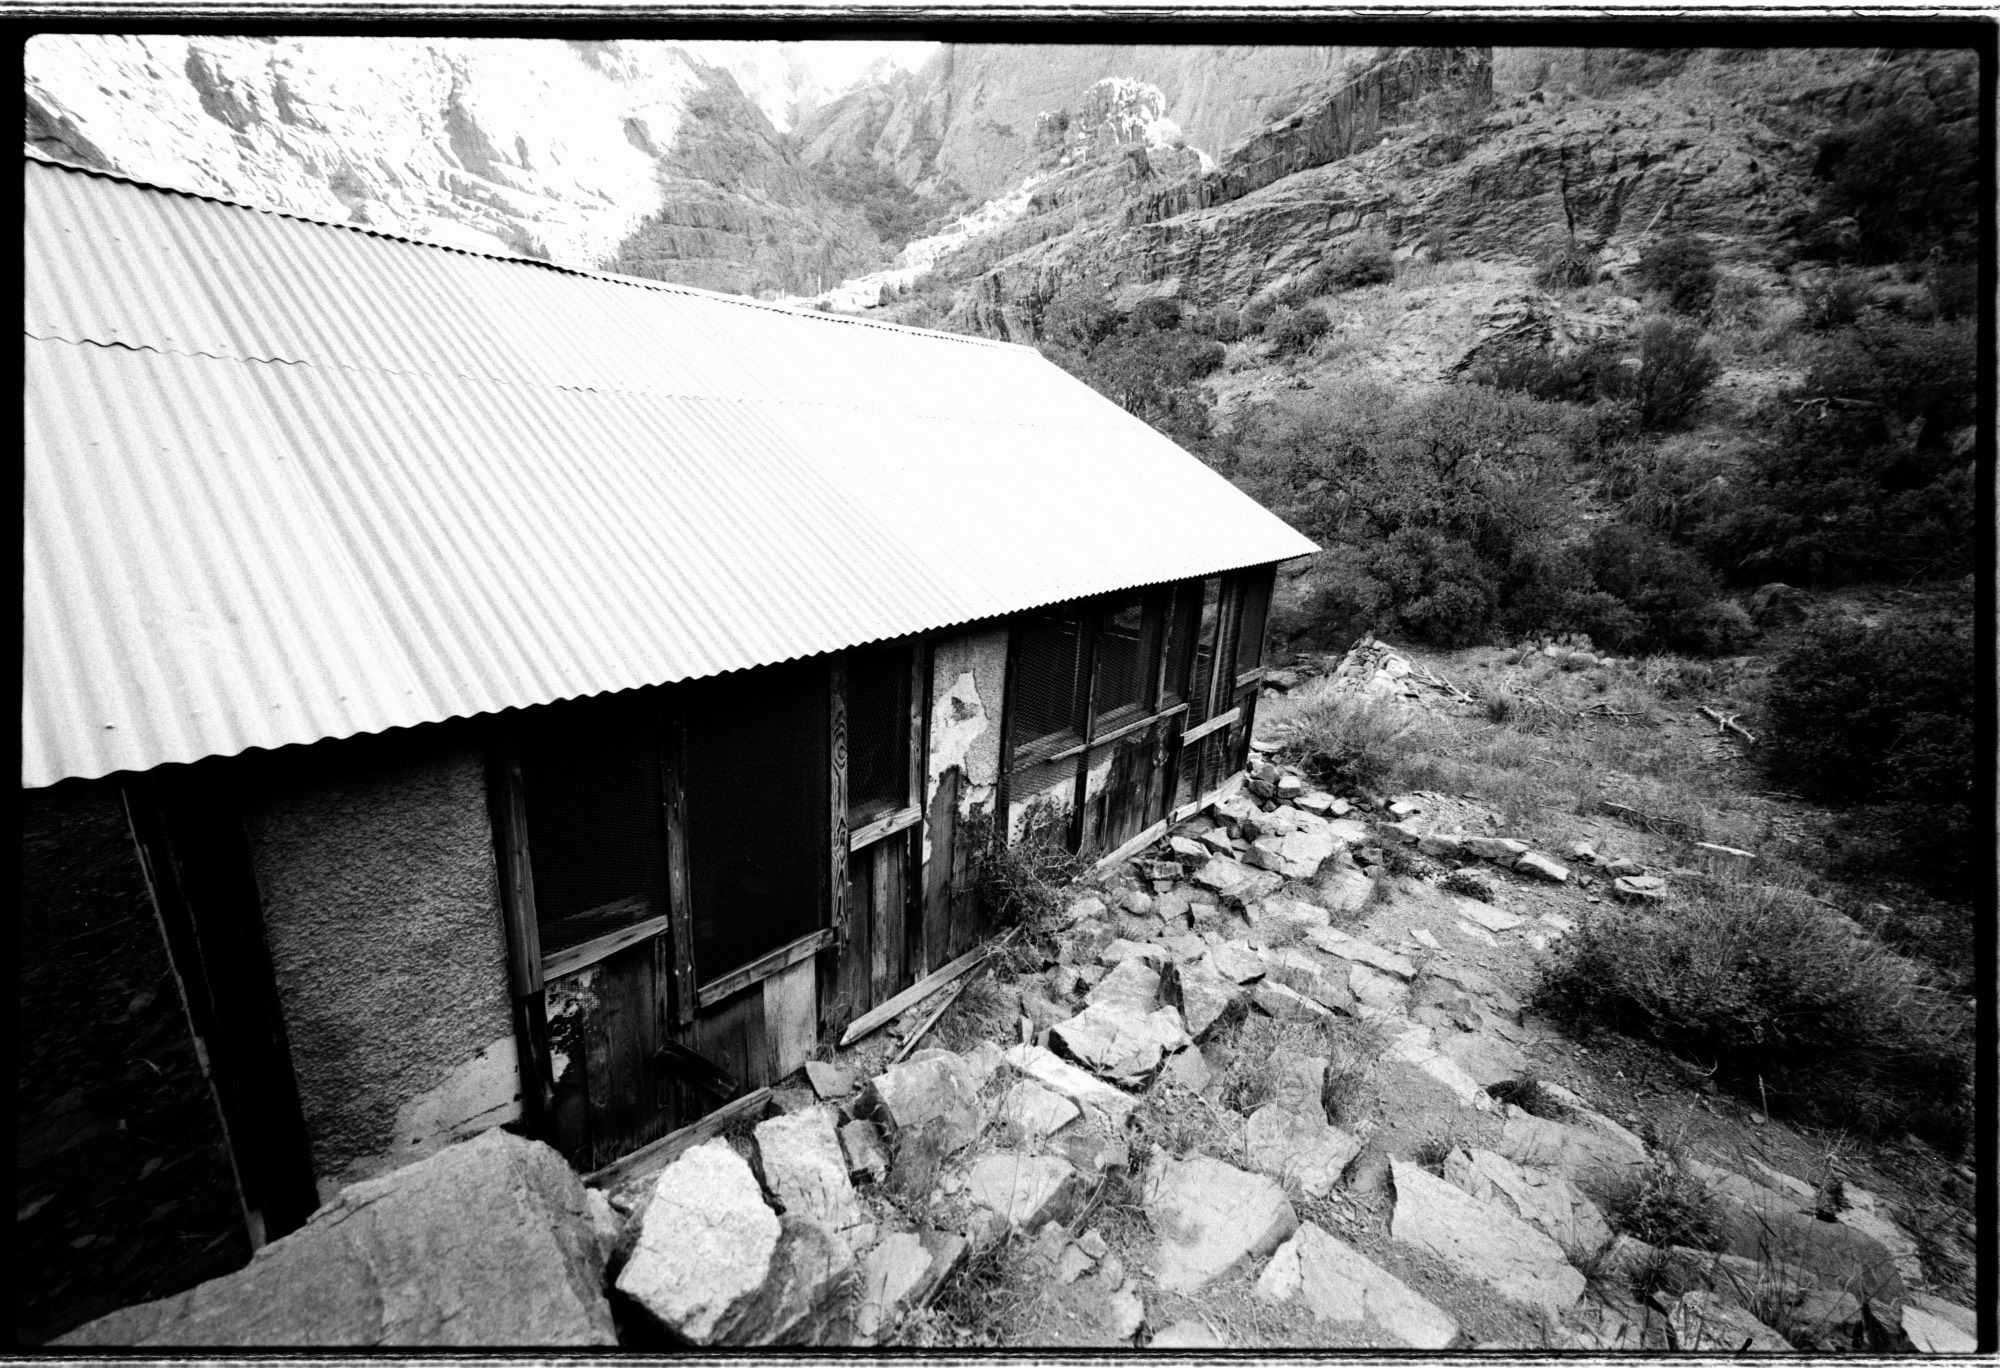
(540, 147)
(969, 116)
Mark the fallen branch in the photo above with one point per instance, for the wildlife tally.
(1426, 675)
(964, 982)
(1726, 722)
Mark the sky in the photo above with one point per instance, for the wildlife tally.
(836, 64)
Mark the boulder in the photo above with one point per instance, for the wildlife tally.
(1936, 1326)
(1413, 1047)
(1599, 1166)
(1236, 962)
(1639, 888)
(1545, 1200)
(1286, 916)
(1542, 867)
(1377, 991)
(900, 1272)
(1222, 877)
(1296, 855)
(1120, 950)
(487, 1242)
(1488, 916)
(1778, 605)
(1361, 952)
(1317, 802)
(1210, 1218)
(1702, 1322)
(1338, 1283)
(1097, 1098)
(1133, 985)
(1425, 938)
(1202, 994)
(1036, 1110)
(1293, 1146)
(1119, 1041)
(1023, 1189)
(1499, 848)
(1901, 1245)
(828, 1082)
(1441, 846)
(1482, 1241)
(1486, 1058)
(806, 1302)
(1189, 1069)
(1188, 851)
(1405, 832)
(935, 1090)
(707, 1245)
(803, 1168)
(1287, 1004)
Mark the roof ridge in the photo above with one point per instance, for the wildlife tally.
(36, 155)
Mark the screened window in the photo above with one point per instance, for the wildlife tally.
(757, 811)
(1047, 689)
(878, 731)
(1256, 594)
(1204, 646)
(591, 780)
(1126, 641)
(1183, 618)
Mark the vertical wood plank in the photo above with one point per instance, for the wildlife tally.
(1088, 652)
(731, 1034)
(507, 814)
(790, 1009)
(680, 904)
(835, 892)
(896, 899)
(916, 941)
(883, 929)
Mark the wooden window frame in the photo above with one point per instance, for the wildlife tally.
(885, 824)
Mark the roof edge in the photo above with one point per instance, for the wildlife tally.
(36, 155)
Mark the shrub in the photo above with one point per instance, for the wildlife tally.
(1295, 330)
(1157, 314)
(1789, 1001)
(1023, 883)
(1668, 594)
(1909, 182)
(1366, 262)
(1568, 267)
(1834, 300)
(1346, 742)
(1667, 1205)
(1675, 370)
(1257, 311)
(1578, 376)
(1471, 884)
(1682, 268)
(1225, 324)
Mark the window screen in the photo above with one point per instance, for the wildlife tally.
(1204, 650)
(878, 731)
(1256, 598)
(1046, 691)
(755, 788)
(1126, 641)
(596, 827)
(1183, 619)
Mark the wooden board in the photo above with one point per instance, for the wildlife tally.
(630, 1098)
(731, 1035)
(791, 1012)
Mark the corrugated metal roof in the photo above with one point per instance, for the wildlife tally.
(289, 480)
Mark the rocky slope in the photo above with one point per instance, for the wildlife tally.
(544, 148)
(970, 115)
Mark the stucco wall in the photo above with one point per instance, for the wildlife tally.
(374, 859)
(968, 674)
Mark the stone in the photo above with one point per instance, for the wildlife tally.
(1187, 1334)
(1025, 1189)
(1217, 843)
(1600, 1167)
(1703, 1322)
(933, 1088)
(1098, 1099)
(1342, 888)
(1403, 808)
(1376, 990)
(1901, 1245)
(1563, 925)
(828, 1081)
(1936, 1326)
(867, 1154)
(1542, 867)
(1315, 801)
(1137, 903)
(1349, 831)
(1361, 952)
(1487, 1059)
(1132, 984)
(1488, 916)
(1223, 878)
(1339, 1284)
(1287, 1004)
(1236, 961)
(1290, 788)
(1120, 950)
(703, 1264)
(1425, 938)
(1401, 833)
(1623, 867)
(1037, 1110)
(486, 1242)
(1294, 1147)
(1083, 909)
(1440, 846)
(1583, 851)
(1639, 888)
(1296, 855)
(1119, 1041)
(807, 1292)
(1202, 994)
(1188, 851)
(1189, 1069)
(1286, 916)
(1778, 604)
(803, 1168)
(1122, 1314)
(895, 1275)
(1766, 1225)
(1480, 934)
(1413, 1046)
(1502, 849)
(1210, 1218)
(1547, 1201)
(1481, 1241)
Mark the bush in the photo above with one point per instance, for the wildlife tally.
(1366, 262)
(1834, 300)
(1671, 597)
(1908, 182)
(1154, 315)
(1682, 268)
(1568, 267)
(1257, 311)
(1295, 330)
(1675, 370)
(1346, 742)
(1225, 324)
(1667, 1205)
(1789, 1002)
(1578, 377)
(1023, 883)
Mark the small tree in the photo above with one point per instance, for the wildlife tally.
(1675, 370)
(1682, 268)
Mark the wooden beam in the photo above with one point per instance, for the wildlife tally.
(779, 960)
(669, 1147)
(1120, 733)
(912, 995)
(887, 825)
(1214, 724)
(591, 951)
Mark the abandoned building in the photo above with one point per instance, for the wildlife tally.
(461, 691)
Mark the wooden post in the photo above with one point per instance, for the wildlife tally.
(836, 870)
(680, 908)
(507, 810)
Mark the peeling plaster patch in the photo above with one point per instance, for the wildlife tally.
(1100, 775)
(958, 719)
(478, 1095)
(560, 1063)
